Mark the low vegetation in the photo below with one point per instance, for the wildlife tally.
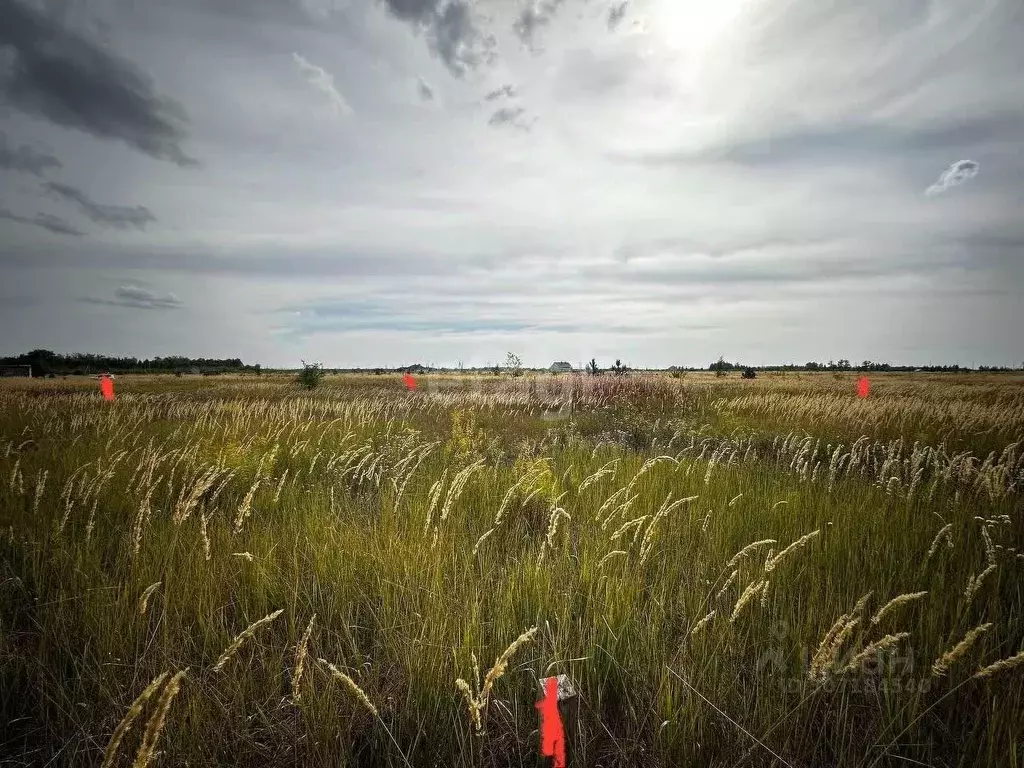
(241, 571)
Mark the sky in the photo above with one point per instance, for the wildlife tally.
(381, 182)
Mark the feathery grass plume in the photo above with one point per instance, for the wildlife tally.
(243, 555)
(220, 488)
(831, 643)
(1000, 666)
(706, 523)
(748, 595)
(946, 660)
(456, 488)
(734, 499)
(945, 532)
(703, 623)
(129, 718)
(482, 539)
(647, 467)
(557, 513)
(609, 468)
(40, 487)
(244, 635)
(609, 556)
(895, 603)
(609, 503)
(798, 544)
(471, 704)
(974, 583)
(501, 664)
(728, 583)
(351, 685)
(751, 547)
(435, 496)
(424, 452)
(861, 604)
(144, 600)
(142, 518)
(204, 522)
(69, 503)
(199, 488)
(245, 508)
(887, 643)
(16, 481)
(764, 594)
(156, 722)
(628, 526)
(280, 486)
(647, 544)
(990, 552)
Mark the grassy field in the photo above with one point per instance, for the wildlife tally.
(233, 571)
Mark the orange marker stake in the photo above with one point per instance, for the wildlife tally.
(107, 387)
(863, 387)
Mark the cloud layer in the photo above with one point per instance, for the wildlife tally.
(61, 75)
(117, 216)
(698, 179)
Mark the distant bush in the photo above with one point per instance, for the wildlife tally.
(749, 373)
(310, 375)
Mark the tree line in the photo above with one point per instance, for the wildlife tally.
(45, 362)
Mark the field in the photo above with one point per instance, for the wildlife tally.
(768, 572)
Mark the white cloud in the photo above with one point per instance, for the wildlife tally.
(323, 81)
(958, 173)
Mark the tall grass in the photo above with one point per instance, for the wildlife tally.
(721, 586)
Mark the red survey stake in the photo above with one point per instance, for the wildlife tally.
(410, 382)
(552, 733)
(863, 387)
(107, 387)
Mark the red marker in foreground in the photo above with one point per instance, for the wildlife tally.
(552, 733)
(410, 382)
(107, 387)
(863, 387)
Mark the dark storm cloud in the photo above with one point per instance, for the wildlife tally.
(137, 297)
(25, 159)
(505, 91)
(537, 14)
(59, 74)
(451, 29)
(616, 14)
(118, 216)
(45, 221)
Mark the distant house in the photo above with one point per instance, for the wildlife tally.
(560, 367)
(15, 370)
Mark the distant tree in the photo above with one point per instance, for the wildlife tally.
(258, 369)
(749, 373)
(843, 365)
(592, 368)
(310, 375)
(719, 366)
(619, 369)
(812, 366)
(514, 364)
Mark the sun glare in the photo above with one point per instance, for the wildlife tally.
(693, 27)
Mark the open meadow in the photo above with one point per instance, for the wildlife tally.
(232, 570)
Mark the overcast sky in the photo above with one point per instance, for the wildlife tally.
(381, 182)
